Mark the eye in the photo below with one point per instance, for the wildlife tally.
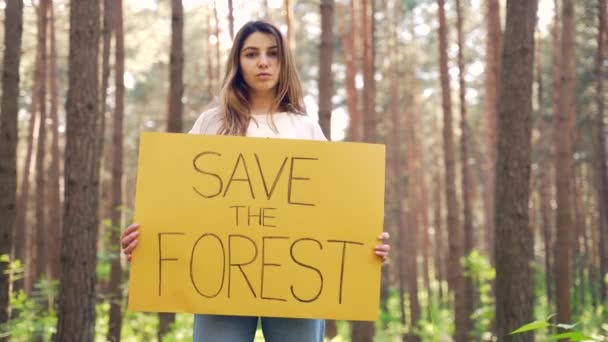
(250, 54)
(273, 53)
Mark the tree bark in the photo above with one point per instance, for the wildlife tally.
(564, 124)
(22, 230)
(40, 261)
(290, 23)
(466, 178)
(544, 186)
(325, 62)
(455, 276)
(76, 311)
(115, 322)
(350, 58)
(369, 90)
(218, 60)
(492, 75)
(514, 236)
(54, 194)
(175, 115)
(13, 28)
(230, 19)
(364, 331)
(601, 169)
(410, 240)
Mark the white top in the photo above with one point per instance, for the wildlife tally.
(288, 126)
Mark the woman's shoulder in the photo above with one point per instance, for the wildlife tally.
(307, 126)
(208, 122)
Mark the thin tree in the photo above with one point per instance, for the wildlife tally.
(76, 310)
(23, 231)
(348, 47)
(326, 91)
(116, 200)
(514, 250)
(455, 276)
(556, 64)
(564, 124)
(326, 52)
(492, 78)
(54, 194)
(40, 263)
(13, 28)
(175, 112)
(467, 213)
(210, 78)
(230, 19)
(544, 186)
(601, 169)
(218, 62)
(289, 21)
(412, 227)
(364, 331)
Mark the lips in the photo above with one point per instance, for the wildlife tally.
(263, 75)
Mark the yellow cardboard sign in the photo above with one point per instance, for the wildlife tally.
(257, 227)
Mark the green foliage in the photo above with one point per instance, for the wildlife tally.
(482, 274)
(570, 334)
(32, 316)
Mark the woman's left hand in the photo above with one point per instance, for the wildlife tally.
(383, 249)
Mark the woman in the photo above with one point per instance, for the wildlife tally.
(261, 97)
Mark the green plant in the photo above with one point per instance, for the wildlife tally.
(569, 332)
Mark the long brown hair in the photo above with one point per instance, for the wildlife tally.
(234, 96)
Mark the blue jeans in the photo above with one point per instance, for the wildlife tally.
(216, 328)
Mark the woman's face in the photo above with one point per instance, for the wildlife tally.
(259, 60)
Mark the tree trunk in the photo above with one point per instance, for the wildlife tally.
(466, 178)
(410, 240)
(230, 19)
(326, 60)
(564, 124)
(369, 90)
(40, 261)
(514, 248)
(350, 58)
(116, 201)
(174, 117)
(290, 23)
(104, 208)
(76, 311)
(364, 331)
(440, 260)
(218, 60)
(13, 28)
(455, 276)
(212, 87)
(22, 229)
(54, 194)
(600, 158)
(492, 75)
(544, 186)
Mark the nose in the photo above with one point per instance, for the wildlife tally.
(263, 61)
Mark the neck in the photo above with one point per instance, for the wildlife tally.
(261, 103)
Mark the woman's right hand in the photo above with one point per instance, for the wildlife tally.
(128, 239)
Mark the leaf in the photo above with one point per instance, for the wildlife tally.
(571, 336)
(530, 326)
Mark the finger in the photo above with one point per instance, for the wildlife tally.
(130, 247)
(126, 241)
(133, 227)
(384, 248)
(129, 257)
(381, 253)
(384, 236)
